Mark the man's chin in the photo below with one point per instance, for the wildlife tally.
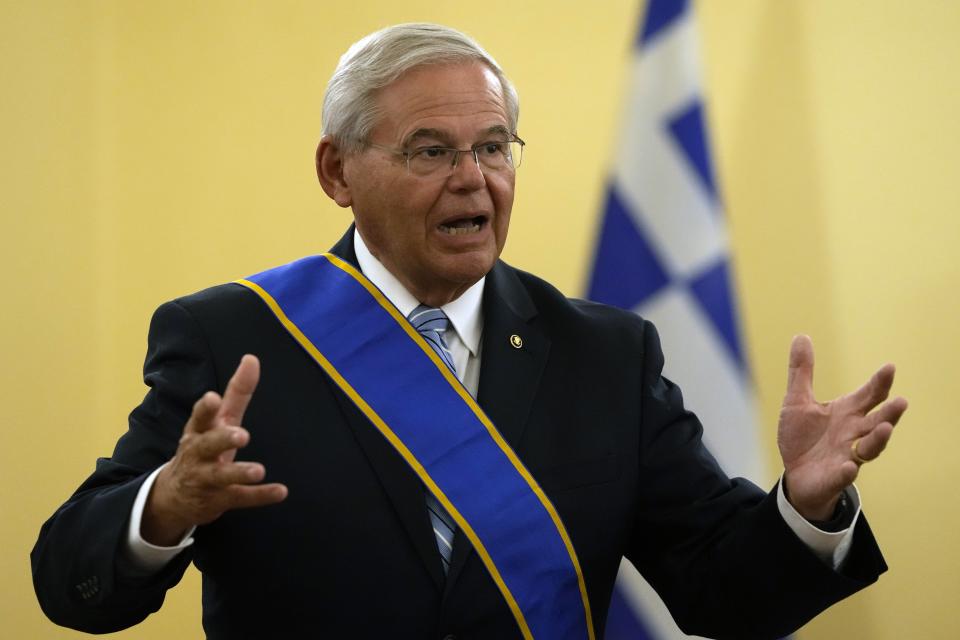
(444, 280)
(466, 268)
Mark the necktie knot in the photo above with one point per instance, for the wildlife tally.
(425, 318)
(432, 323)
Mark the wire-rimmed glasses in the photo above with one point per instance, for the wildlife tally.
(433, 161)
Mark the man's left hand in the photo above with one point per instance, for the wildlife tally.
(824, 444)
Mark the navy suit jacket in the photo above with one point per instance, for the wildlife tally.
(350, 553)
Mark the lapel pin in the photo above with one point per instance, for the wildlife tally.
(516, 341)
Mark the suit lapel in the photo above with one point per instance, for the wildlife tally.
(513, 357)
(514, 354)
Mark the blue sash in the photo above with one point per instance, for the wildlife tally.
(393, 376)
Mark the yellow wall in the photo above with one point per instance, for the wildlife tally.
(150, 149)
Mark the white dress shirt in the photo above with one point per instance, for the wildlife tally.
(464, 340)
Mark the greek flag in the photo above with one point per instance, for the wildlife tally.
(662, 251)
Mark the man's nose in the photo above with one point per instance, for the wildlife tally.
(467, 174)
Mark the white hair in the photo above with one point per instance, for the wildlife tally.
(373, 62)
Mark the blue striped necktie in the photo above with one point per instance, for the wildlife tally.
(432, 323)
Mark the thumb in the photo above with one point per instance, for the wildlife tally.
(800, 373)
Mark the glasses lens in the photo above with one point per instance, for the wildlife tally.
(430, 160)
(516, 154)
(498, 156)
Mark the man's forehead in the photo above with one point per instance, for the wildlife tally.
(447, 101)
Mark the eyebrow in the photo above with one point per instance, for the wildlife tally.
(432, 134)
(499, 129)
(444, 137)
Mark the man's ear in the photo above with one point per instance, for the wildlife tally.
(330, 171)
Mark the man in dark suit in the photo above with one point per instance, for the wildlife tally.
(420, 141)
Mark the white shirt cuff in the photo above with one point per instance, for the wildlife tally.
(144, 556)
(831, 547)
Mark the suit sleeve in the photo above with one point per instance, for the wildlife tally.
(79, 574)
(717, 550)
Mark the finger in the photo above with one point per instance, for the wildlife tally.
(239, 390)
(213, 443)
(800, 374)
(874, 391)
(848, 473)
(870, 446)
(844, 476)
(203, 414)
(891, 411)
(236, 473)
(258, 495)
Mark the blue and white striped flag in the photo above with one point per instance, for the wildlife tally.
(663, 252)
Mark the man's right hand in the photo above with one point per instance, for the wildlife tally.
(202, 481)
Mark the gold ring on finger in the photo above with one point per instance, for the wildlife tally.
(855, 453)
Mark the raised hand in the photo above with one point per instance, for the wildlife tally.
(203, 480)
(824, 444)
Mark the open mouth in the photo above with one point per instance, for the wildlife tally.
(462, 226)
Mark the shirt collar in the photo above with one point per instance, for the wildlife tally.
(464, 312)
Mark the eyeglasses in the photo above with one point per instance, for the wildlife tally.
(440, 162)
